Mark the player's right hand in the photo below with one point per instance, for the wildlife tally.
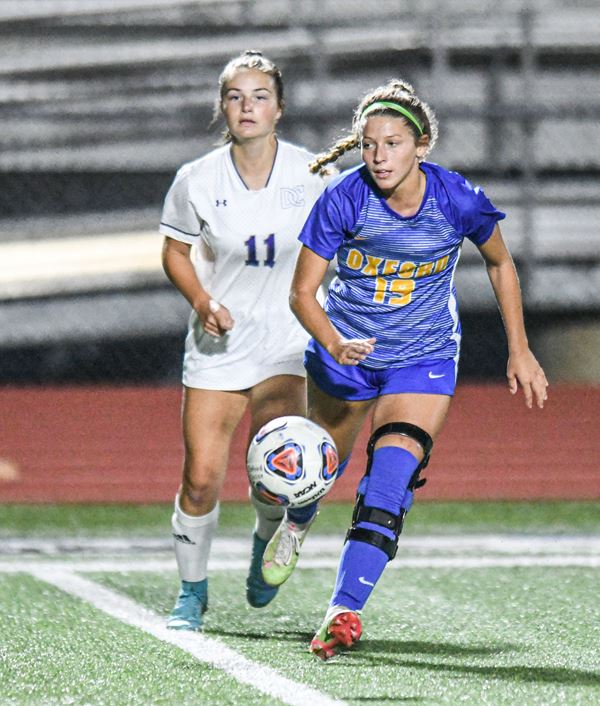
(351, 351)
(217, 320)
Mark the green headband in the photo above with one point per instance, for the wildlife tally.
(393, 106)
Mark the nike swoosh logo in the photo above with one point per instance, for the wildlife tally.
(362, 579)
(433, 376)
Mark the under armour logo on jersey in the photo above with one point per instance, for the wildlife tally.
(183, 538)
(292, 196)
(222, 203)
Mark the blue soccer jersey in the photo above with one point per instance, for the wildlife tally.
(395, 274)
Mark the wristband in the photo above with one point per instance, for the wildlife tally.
(213, 306)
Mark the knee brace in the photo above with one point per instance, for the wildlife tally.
(390, 522)
(405, 429)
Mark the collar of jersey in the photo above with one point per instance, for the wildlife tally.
(389, 209)
(243, 183)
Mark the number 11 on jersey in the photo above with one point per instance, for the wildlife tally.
(269, 243)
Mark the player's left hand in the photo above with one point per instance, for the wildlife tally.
(524, 370)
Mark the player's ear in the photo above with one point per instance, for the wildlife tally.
(422, 146)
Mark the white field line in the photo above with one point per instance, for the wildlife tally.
(204, 649)
(316, 545)
(319, 552)
(167, 564)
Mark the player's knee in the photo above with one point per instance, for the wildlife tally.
(198, 492)
(415, 433)
(405, 429)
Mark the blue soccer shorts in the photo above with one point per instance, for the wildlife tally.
(358, 382)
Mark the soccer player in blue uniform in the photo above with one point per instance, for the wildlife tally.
(388, 338)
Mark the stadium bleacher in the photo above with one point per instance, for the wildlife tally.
(107, 79)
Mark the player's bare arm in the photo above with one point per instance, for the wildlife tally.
(309, 274)
(179, 268)
(522, 369)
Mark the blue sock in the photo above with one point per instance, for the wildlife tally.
(301, 515)
(362, 564)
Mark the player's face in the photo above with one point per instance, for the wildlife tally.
(250, 105)
(390, 152)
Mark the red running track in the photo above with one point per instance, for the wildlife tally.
(110, 444)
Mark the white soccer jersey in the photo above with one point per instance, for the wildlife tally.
(246, 248)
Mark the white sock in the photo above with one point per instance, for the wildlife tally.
(268, 517)
(193, 537)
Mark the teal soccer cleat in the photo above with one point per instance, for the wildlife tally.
(192, 603)
(258, 593)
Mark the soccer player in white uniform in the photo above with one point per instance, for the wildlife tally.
(231, 221)
(388, 340)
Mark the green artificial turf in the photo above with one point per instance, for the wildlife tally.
(58, 650)
(472, 635)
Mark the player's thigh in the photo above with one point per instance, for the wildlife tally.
(279, 396)
(343, 419)
(210, 418)
(423, 410)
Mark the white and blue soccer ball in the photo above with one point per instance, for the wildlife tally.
(292, 462)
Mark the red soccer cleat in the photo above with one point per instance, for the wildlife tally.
(343, 630)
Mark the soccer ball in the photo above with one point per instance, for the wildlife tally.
(292, 461)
